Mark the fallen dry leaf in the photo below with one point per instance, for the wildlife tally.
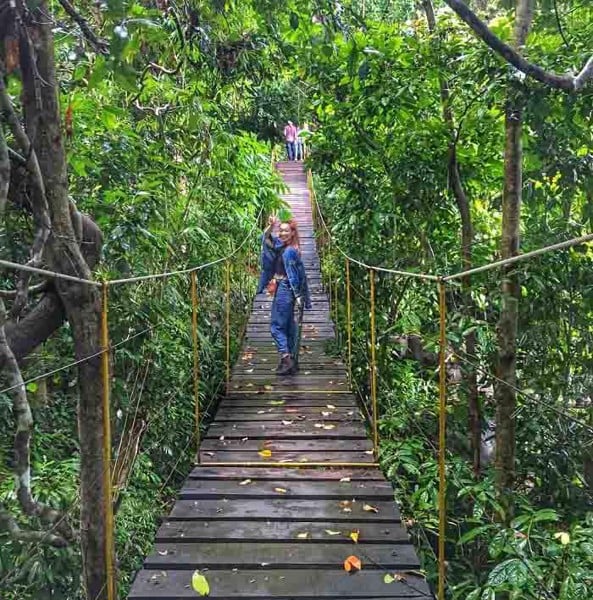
(352, 564)
(369, 508)
(395, 577)
(245, 482)
(268, 388)
(345, 480)
(303, 536)
(328, 427)
(332, 532)
(325, 413)
(331, 406)
(265, 453)
(354, 535)
(280, 490)
(287, 422)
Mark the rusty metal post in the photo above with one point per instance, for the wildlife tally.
(107, 484)
(196, 356)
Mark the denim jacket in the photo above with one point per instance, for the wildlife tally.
(293, 264)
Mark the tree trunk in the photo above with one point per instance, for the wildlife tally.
(505, 395)
(467, 239)
(81, 302)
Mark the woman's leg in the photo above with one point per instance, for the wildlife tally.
(282, 325)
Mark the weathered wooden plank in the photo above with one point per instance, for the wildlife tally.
(286, 584)
(261, 415)
(302, 429)
(279, 531)
(266, 400)
(285, 445)
(303, 473)
(248, 488)
(266, 555)
(209, 456)
(282, 508)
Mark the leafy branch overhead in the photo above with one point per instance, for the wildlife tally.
(569, 83)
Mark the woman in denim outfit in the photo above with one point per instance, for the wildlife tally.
(284, 274)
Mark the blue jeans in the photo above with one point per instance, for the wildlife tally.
(300, 151)
(290, 150)
(283, 327)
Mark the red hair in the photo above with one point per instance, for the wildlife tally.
(296, 242)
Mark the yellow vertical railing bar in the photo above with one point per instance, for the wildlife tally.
(374, 368)
(349, 320)
(196, 353)
(228, 322)
(336, 316)
(107, 485)
(442, 437)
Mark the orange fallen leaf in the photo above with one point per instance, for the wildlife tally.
(369, 508)
(354, 535)
(352, 564)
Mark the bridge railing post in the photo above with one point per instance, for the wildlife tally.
(442, 436)
(107, 484)
(373, 367)
(349, 320)
(228, 323)
(196, 360)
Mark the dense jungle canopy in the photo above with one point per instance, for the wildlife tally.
(137, 137)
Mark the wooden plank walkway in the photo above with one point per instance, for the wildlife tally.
(263, 531)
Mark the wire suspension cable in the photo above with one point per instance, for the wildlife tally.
(361, 263)
(81, 360)
(53, 274)
(190, 269)
(508, 261)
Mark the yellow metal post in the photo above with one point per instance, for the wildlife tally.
(336, 314)
(374, 367)
(442, 437)
(107, 485)
(196, 352)
(349, 320)
(228, 322)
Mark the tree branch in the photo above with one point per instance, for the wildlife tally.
(569, 83)
(39, 204)
(100, 45)
(4, 173)
(8, 523)
(22, 439)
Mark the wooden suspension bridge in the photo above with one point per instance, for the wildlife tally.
(286, 488)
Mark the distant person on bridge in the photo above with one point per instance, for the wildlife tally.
(290, 134)
(283, 273)
(301, 142)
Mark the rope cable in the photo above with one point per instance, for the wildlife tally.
(81, 360)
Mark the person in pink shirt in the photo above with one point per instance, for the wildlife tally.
(290, 133)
